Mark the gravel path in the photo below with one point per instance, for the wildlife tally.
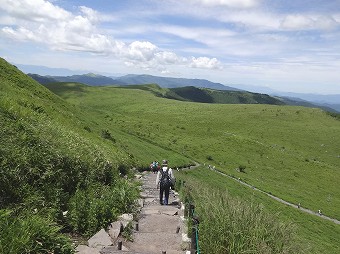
(279, 199)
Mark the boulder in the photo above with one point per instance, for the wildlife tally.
(140, 202)
(115, 229)
(125, 219)
(100, 240)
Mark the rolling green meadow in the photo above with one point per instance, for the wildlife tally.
(290, 152)
(64, 145)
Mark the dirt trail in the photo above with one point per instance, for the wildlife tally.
(160, 227)
(279, 199)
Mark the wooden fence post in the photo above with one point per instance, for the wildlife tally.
(120, 243)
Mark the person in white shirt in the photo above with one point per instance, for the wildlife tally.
(164, 180)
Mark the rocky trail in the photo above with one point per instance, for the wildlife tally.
(159, 229)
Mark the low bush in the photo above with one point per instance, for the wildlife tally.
(31, 233)
(95, 207)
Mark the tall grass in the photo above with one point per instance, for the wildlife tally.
(95, 207)
(52, 162)
(31, 233)
(230, 225)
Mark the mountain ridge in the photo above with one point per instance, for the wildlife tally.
(326, 102)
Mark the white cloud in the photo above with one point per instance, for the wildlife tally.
(21, 34)
(229, 3)
(41, 21)
(36, 10)
(308, 22)
(205, 63)
(141, 50)
(91, 14)
(166, 57)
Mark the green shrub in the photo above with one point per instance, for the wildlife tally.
(242, 168)
(127, 232)
(107, 135)
(95, 207)
(31, 233)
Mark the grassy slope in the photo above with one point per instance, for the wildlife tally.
(206, 95)
(316, 235)
(24, 100)
(104, 109)
(291, 152)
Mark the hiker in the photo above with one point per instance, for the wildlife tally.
(154, 166)
(164, 181)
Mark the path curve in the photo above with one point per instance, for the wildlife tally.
(270, 195)
(279, 199)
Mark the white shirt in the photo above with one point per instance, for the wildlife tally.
(159, 174)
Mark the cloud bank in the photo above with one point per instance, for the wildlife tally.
(42, 22)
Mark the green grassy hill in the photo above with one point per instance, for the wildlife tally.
(291, 152)
(54, 158)
(206, 95)
(281, 146)
(59, 150)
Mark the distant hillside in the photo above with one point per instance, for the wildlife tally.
(165, 82)
(42, 79)
(168, 82)
(304, 103)
(89, 79)
(218, 96)
(306, 100)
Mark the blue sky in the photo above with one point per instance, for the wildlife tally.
(283, 45)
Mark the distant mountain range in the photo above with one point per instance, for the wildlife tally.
(99, 80)
(326, 102)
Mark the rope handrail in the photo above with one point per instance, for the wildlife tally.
(195, 229)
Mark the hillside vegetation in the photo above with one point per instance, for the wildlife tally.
(291, 152)
(219, 96)
(56, 174)
(67, 150)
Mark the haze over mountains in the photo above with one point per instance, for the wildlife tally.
(327, 102)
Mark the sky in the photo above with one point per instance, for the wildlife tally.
(285, 45)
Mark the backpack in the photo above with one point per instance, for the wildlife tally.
(165, 181)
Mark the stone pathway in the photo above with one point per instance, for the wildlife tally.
(161, 229)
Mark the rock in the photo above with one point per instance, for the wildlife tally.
(100, 240)
(125, 218)
(83, 249)
(185, 238)
(140, 202)
(138, 176)
(144, 194)
(151, 211)
(150, 200)
(170, 211)
(115, 229)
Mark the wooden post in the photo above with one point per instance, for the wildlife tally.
(177, 229)
(193, 239)
(137, 226)
(120, 243)
(163, 252)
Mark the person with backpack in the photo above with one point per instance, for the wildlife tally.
(164, 181)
